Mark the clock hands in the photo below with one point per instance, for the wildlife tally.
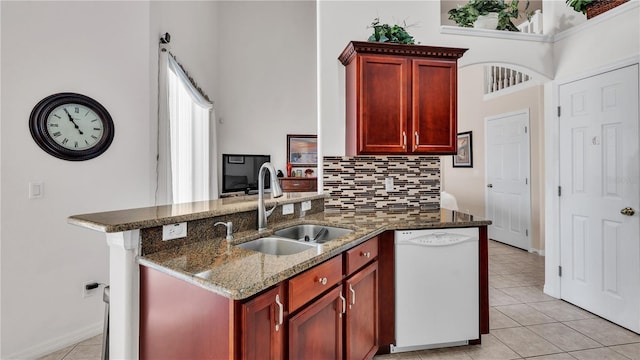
(73, 122)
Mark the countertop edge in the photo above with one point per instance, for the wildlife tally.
(97, 222)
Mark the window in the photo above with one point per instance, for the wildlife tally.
(186, 156)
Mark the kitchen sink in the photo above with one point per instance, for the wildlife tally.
(312, 233)
(276, 246)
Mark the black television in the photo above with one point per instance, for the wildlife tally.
(240, 173)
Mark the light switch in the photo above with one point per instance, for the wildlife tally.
(36, 190)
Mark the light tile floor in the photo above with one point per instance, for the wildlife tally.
(524, 322)
(527, 324)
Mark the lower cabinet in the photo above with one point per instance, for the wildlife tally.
(316, 331)
(327, 312)
(263, 327)
(361, 323)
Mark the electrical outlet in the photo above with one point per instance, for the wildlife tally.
(306, 205)
(388, 184)
(287, 209)
(89, 292)
(174, 231)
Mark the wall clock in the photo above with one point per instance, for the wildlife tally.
(71, 126)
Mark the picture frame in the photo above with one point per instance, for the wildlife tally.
(464, 155)
(302, 150)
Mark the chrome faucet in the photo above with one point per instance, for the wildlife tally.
(229, 226)
(276, 191)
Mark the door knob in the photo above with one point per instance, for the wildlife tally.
(627, 211)
(489, 185)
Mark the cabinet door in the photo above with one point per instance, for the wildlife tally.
(316, 331)
(262, 326)
(383, 104)
(434, 106)
(362, 314)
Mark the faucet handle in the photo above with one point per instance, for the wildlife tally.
(229, 226)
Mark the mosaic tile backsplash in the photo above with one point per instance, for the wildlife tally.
(358, 182)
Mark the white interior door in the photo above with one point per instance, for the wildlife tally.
(599, 179)
(508, 195)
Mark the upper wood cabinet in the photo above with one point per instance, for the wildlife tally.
(400, 99)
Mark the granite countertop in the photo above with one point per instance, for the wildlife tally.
(125, 220)
(219, 266)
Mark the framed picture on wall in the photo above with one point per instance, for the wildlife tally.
(302, 150)
(464, 157)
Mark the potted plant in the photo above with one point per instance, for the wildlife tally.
(387, 33)
(466, 15)
(593, 7)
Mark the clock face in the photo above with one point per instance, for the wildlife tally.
(71, 126)
(75, 126)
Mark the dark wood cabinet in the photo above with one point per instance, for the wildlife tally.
(400, 99)
(361, 321)
(263, 325)
(327, 312)
(316, 331)
(299, 184)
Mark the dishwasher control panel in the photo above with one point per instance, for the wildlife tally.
(436, 237)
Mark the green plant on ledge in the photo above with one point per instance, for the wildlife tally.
(387, 33)
(467, 14)
(579, 5)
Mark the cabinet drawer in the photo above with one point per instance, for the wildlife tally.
(361, 255)
(314, 282)
(298, 184)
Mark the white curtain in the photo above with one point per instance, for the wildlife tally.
(186, 138)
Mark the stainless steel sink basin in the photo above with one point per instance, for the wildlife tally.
(312, 233)
(276, 246)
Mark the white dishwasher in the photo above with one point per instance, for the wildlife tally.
(437, 288)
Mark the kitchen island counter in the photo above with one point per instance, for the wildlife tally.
(219, 266)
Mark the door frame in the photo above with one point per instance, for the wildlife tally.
(552, 169)
(526, 112)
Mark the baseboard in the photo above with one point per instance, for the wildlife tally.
(536, 251)
(58, 343)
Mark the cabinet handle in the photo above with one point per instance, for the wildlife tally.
(417, 139)
(322, 281)
(353, 296)
(280, 312)
(404, 139)
(366, 254)
(344, 304)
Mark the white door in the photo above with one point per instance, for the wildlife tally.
(508, 195)
(599, 235)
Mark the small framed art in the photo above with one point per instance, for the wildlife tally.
(464, 156)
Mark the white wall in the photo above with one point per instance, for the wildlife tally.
(267, 74)
(601, 40)
(99, 49)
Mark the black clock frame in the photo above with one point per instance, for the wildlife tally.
(38, 126)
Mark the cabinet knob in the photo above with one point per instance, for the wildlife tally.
(322, 280)
(366, 254)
